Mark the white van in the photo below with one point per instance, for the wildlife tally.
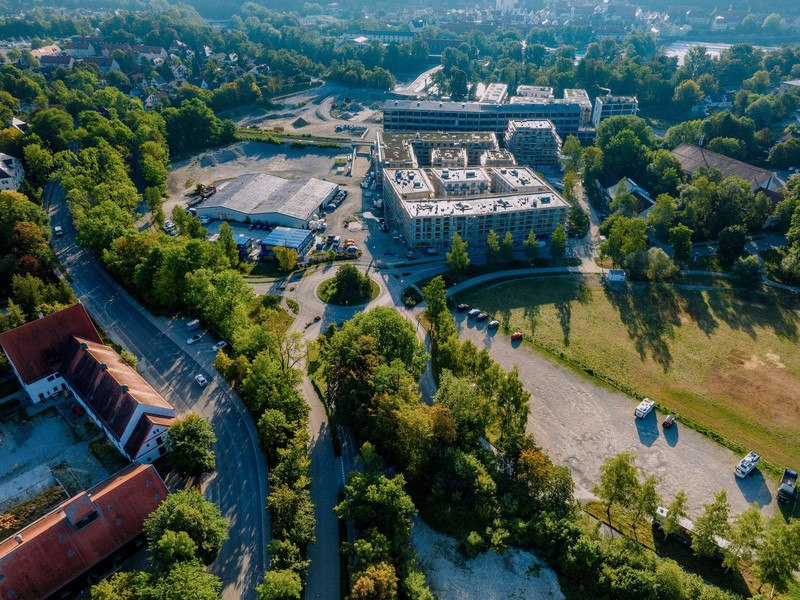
(193, 325)
(644, 408)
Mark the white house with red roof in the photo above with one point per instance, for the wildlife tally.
(63, 354)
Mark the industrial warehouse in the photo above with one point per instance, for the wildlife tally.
(264, 198)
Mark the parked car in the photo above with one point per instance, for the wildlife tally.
(473, 313)
(462, 307)
(644, 408)
(58, 230)
(482, 317)
(195, 338)
(493, 324)
(201, 381)
(517, 335)
(668, 422)
(219, 346)
(747, 465)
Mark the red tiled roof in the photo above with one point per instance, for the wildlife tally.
(53, 551)
(107, 383)
(35, 349)
(139, 435)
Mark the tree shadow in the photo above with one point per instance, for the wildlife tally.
(650, 315)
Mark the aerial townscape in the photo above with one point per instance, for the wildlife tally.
(403, 300)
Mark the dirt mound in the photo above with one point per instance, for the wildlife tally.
(219, 157)
(299, 122)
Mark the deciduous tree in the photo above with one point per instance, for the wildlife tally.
(189, 442)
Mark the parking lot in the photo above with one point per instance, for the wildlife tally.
(580, 424)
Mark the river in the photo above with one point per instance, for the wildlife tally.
(680, 49)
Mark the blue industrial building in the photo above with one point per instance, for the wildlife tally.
(300, 239)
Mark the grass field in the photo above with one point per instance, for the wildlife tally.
(729, 362)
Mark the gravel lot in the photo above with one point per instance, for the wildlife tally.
(580, 424)
(452, 577)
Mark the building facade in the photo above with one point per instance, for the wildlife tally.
(11, 171)
(428, 219)
(613, 106)
(533, 142)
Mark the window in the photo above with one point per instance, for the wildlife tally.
(51, 378)
(92, 516)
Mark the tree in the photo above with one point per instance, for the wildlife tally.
(228, 244)
(570, 182)
(645, 501)
(351, 286)
(492, 248)
(573, 150)
(439, 317)
(687, 94)
(457, 259)
(618, 481)
(184, 580)
(786, 154)
(779, 555)
(531, 246)
(280, 585)
(376, 582)
(558, 242)
(507, 249)
(711, 524)
(731, 243)
(174, 547)
(286, 257)
(727, 146)
(748, 272)
(680, 238)
(578, 221)
(745, 537)
(675, 512)
(660, 266)
(190, 512)
(189, 442)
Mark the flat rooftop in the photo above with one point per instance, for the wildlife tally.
(579, 95)
(396, 145)
(461, 175)
(616, 99)
(519, 177)
(410, 181)
(260, 193)
(532, 124)
(449, 106)
(483, 205)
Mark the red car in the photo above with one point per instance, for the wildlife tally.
(516, 336)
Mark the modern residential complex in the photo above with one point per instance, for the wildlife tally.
(497, 158)
(429, 206)
(404, 150)
(571, 115)
(533, 142)
(613, 106)
(434, 115)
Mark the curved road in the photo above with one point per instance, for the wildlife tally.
(239, 485)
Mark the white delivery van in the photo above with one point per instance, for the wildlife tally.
(644, 408)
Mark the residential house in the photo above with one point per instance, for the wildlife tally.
(79, 534)
(39, 53)
(105, 63)
(180, 71)
(151, 101)
(11, 169)
(18, 124)
(788, 86)
(693, 157)
(79, 49)
(51, 62)
(62, 355)
(107, 48)
(628, 187)
(158, 82)
(149, 52)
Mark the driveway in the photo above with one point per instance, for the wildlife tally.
(580, 424)
(239, 484)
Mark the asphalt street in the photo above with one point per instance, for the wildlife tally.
(239, 485)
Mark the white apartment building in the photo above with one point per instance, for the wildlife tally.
(613, 106)
(533, 142)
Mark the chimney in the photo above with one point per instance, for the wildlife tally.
(103, 366)
(84, 345)
(124, 387)
(18, 538)
(41, 316)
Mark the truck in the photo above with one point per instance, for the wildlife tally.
(788, 488)
(645, 408)
(747, 465)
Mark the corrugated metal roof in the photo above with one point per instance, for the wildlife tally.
(260, 193)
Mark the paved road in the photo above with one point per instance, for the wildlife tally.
(580, 424)
(239, 486)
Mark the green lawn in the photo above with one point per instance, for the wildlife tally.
(728, 362)
(327, 293)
